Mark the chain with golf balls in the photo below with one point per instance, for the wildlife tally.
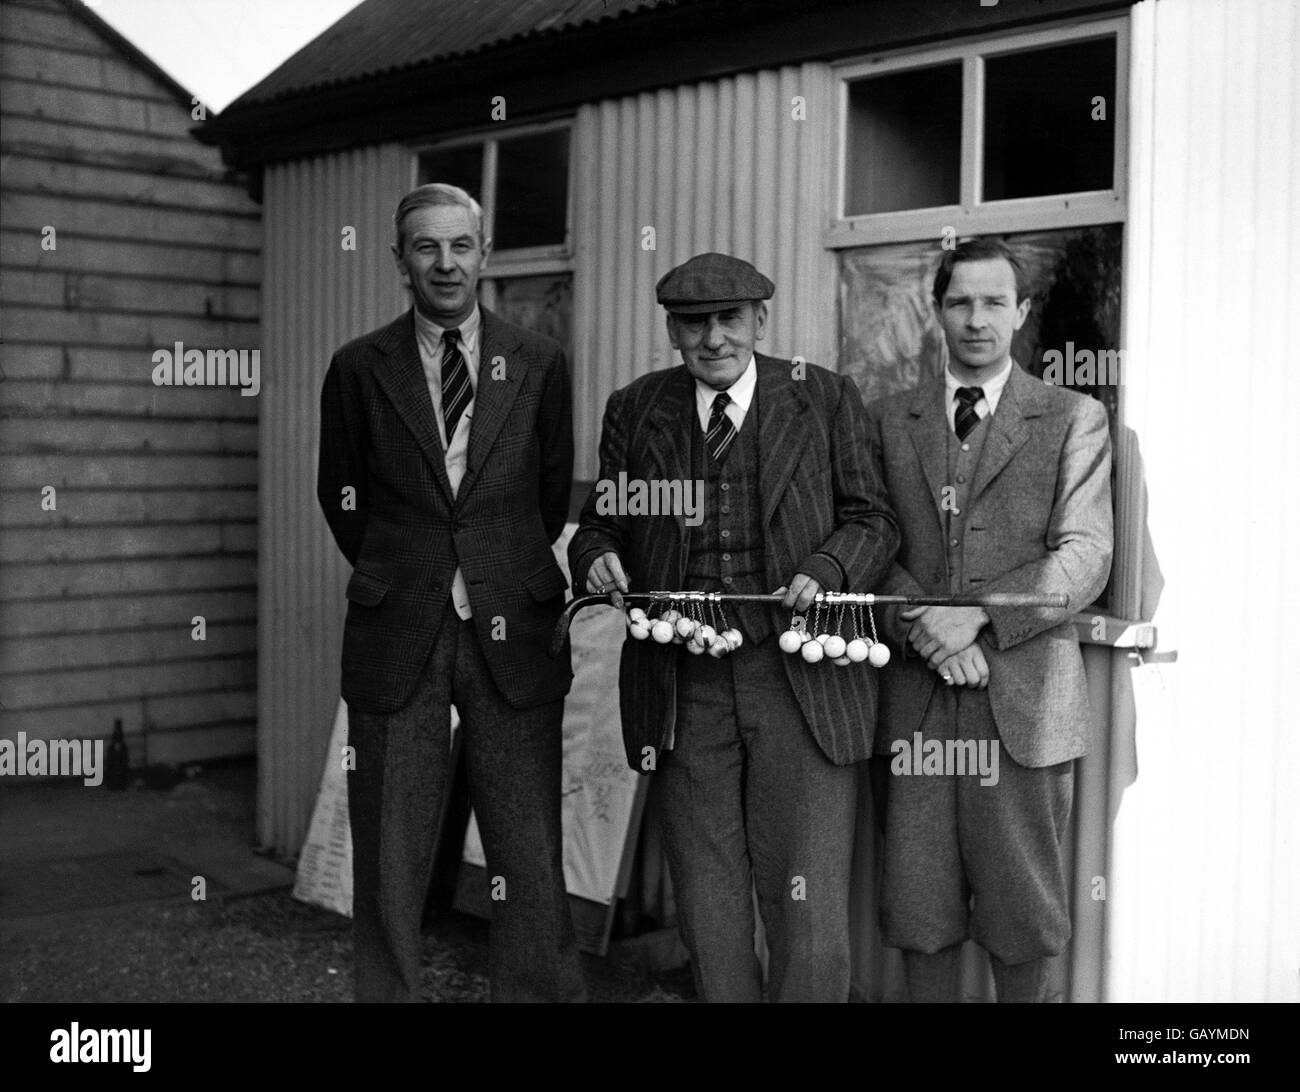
(817, 642)
(696, 621)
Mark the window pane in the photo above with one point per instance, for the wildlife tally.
(460, 166)
(1040, 135)
(904, 141)
(543, 304)
(891, 341)
(532, 190)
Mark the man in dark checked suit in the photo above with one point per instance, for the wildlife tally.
(755, 750)
(446, 459)
(1002, 484)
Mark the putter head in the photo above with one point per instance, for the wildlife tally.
(561, 632)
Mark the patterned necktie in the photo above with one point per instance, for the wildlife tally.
(967, 418)
(456, 390)
(721, 431)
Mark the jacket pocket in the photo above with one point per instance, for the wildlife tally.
(546, 583)
(365, 588)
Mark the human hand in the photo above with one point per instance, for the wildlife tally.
(799, 594)
(606, 575)
(966, 668)
(940, 632)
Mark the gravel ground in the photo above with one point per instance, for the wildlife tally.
(259, 948)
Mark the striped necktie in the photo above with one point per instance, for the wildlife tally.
(721, 431)
(456, 389)
(966, 417)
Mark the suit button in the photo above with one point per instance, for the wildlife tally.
(952, 542)
(726, 534)
(726, 510)
(725, 486)
(965, 447)
(726, 557)
(726, 580)
(961, 479)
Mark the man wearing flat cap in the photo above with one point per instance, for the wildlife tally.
(754, 750)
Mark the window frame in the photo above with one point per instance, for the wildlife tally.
(1124, 628)
(972, 215)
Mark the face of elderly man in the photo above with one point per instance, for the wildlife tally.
(716, 346)
(440, 261)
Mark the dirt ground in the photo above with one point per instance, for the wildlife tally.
(95, 906)
(265, 947)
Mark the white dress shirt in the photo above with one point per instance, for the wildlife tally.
(428, 336)
(992, 393)
(741, 392)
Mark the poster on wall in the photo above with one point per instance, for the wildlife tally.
(598, 789)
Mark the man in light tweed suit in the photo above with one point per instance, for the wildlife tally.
(1002, 484)
(446, 458)
(754, 751)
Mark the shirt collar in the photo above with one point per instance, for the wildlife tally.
(741, 391)
(429, 333)
(992, 387)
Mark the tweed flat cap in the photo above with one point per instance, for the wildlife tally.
(711, 282)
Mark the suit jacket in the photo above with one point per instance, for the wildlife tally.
(1037, 519)
(407, 533)
(824, 512)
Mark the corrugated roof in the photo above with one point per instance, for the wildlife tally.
(383, 36)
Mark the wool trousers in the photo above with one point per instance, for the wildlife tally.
(966, 859)
(395, 795)
(751, 804)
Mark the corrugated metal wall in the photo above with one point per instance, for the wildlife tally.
(721, 165)
(724, 166)
(1205, 878)
(316, 296)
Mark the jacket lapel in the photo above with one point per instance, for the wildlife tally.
(782, 430)
(929, 429)
(401, 377)
(1021, 398)
(500, 371)
(671, 418)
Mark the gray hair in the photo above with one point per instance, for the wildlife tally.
(432, 194)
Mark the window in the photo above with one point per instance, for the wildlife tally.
(521, 178)
(986, 137)
(904, 141)
(1019, 136)
(1044, 131)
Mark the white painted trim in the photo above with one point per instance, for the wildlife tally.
(971, 165)
(1139, 47)
(994, 218)
(512, 265)
(1067, 30)
(498, 131)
